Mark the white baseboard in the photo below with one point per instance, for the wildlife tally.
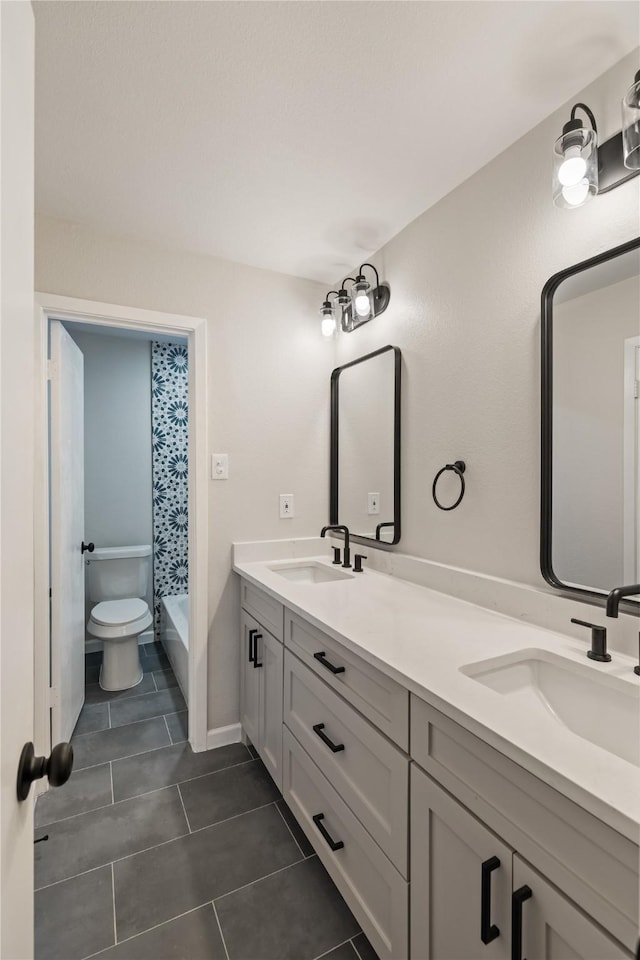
(95, 646)
(221, 736)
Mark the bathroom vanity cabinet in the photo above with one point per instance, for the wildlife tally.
(498, 872)
(261, 663)
(433, 837)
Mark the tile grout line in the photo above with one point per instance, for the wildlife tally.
(113, 796)
(113, 900)
(224, 942)
(289, 828)
(184, 809)
(331, 949)
(153, 677)
(354, 946)
(162, 843)
(135, 936)
(108, 714)
(146, 793)
(164, 717)
(251, 883)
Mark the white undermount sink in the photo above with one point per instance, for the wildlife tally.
(599, 707)
(309, 571)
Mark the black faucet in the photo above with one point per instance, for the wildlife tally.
(345, 530)
(614, 598)
(598, 641)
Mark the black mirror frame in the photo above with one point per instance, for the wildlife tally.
(546, 437)
(333, 481)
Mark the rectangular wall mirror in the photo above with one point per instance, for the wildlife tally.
(365, 446)
(590, 538)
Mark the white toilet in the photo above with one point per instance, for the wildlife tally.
(118, 578)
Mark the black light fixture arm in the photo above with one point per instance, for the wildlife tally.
(361, 268)
(589, 113)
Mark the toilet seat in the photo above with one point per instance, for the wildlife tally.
(118, 619)
(114, 613)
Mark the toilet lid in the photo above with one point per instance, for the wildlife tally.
(113, 612)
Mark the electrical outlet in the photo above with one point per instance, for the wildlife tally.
(219, 466)
(374, 503)
(286, 506)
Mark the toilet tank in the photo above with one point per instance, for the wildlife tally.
(116, 573)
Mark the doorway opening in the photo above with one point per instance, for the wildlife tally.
(176, 529)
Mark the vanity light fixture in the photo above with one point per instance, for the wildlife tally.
(582, 168)
(351, 308)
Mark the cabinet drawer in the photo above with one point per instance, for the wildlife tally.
(368, 772)
(264, 608)
(589, 861)
(374, 890)
(378, 697)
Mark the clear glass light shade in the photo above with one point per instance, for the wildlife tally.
(575, 168)
(328, 322)
(631, 126)
(361, 298)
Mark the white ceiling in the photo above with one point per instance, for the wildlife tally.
(295, 136)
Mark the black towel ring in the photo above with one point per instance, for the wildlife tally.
(458, 467)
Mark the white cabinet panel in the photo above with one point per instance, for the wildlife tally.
(249, 680)
(448, 850)
(374, 890)
(553, 928)
(270, 742)
(378, 697)
(368, 771)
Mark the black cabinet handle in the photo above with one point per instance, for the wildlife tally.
(488, 931)
(87, 546)
(252, 656)
(334, 747)
(334, 844)
(321, 658)
(518, 897)
(257, 637)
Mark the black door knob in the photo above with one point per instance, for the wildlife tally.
(57, 767)
(87, 546)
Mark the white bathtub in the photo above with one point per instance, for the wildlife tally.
(174, 636)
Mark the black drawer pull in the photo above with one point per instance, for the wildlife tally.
(334, 747)
(258, 636)
(488, 931)
(334, 844)
(321, 658)
(518, 897)
(252, 656)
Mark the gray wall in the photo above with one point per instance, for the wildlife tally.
(117, 440)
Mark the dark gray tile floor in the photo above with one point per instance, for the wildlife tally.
(157, 853)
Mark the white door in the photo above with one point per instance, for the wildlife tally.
(460, 880)
(271, 663)
(66, 372)
(553, 928)
(17, 379)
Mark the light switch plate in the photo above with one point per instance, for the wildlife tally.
(374, 503)
(219, 466)
(286, 506)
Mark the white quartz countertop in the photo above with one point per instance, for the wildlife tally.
(422, 638)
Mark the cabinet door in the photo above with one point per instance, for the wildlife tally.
(249, 680)
(270, 657)
(451, 854)
(553, 928)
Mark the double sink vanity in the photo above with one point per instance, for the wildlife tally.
(470, 782)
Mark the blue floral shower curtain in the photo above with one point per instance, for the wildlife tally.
(169, 418)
